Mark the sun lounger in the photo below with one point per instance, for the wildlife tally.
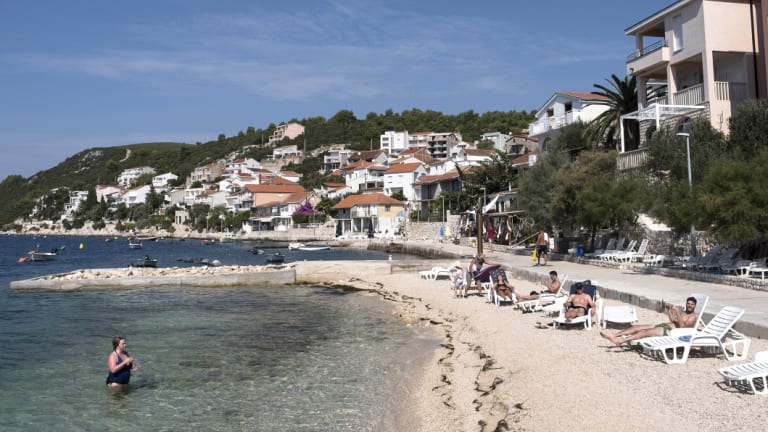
(754, 375)
(717, 335)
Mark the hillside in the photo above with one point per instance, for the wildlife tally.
(102, 165)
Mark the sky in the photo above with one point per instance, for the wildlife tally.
(80, 74)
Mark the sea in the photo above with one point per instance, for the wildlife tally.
(251, 358)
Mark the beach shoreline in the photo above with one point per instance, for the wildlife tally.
(499, 369)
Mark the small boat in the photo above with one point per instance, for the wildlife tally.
(292, 246)
(276, 258)
(207, 242)
(256, 251)
(148, 239)
(134, 244)
(144, 262)
(35, 255)
(314, 247)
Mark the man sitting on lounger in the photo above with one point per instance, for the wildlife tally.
(677, 319)
(576, 305)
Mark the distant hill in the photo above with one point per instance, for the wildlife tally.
(102, 165)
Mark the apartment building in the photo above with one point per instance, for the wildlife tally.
(562, 109)
(697, 58)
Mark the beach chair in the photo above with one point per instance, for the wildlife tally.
(586, 319)
(754, 375)
(759, 267)
(545, 298)
(718, 335)
(622, 314)
(437, 273)
(608, 255)
(739, 268)
(628, 257)
(726, 258)
(610, 246)
(483, 279)
(693, 263)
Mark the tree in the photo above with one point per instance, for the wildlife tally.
(733, 198)
(591, 193)
(538, 183)
(667, 168)
(621, 99)
(749, 128)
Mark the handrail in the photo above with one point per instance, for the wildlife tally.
(646, 50)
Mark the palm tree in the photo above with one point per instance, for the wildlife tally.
(622, 99)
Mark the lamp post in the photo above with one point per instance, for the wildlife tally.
(690, 184)
(221, 218)
(443, 198)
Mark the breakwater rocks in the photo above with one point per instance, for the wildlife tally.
(110, 278)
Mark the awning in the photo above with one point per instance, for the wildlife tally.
(657, 112)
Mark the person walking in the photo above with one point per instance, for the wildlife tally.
(542, 247)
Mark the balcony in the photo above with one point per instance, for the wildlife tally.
(364, 212)
(693, 95)
(632, 159)
(729, 91)
(648, 58)
(550, 123)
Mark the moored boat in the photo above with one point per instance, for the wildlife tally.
(314, 247)
(35, 255)
(144, 262)
(276, 258)
(135, 244)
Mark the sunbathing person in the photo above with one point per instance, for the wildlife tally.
(503, 288)
(552, 288)
(677, 319)
(576, 305)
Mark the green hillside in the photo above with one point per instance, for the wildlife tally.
(102, 165)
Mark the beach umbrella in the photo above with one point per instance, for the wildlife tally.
(338, 229)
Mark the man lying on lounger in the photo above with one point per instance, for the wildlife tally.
(576, 305)
(677, 319)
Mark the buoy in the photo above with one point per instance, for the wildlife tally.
(23, 259)
(81, 245)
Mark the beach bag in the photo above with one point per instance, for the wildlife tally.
(534, 253)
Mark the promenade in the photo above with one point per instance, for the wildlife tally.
(633, 284)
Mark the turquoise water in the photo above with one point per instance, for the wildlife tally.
(250, 358)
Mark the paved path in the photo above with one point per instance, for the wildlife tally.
(639, 288)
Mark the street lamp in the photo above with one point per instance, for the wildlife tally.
(221, 218)
(443, 198)
(690, 184)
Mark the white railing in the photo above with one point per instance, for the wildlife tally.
(632, 159)
(693, 95)
(730, 91)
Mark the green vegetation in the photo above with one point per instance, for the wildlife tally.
(95, 166)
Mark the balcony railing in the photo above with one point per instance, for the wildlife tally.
(729, 91)
(646, 50)
(632, 159)
(691, 96)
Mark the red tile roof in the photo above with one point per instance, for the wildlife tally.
(404, 168)
(354, 200)
(274, 188)
(581, 95)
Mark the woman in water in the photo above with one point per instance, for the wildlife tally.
(120, 363)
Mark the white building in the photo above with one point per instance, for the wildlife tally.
(401, 177)
(129, 176)
(161, 181)
(393, 142)
(563, 109)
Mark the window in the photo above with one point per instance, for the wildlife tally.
(387, 208)
(677, 33)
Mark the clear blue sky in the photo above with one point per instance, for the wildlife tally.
(79, 74)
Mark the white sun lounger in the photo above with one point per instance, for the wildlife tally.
(749, 374)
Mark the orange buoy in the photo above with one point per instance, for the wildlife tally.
(23, 259)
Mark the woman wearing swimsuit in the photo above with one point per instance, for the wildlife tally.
(120, 363)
